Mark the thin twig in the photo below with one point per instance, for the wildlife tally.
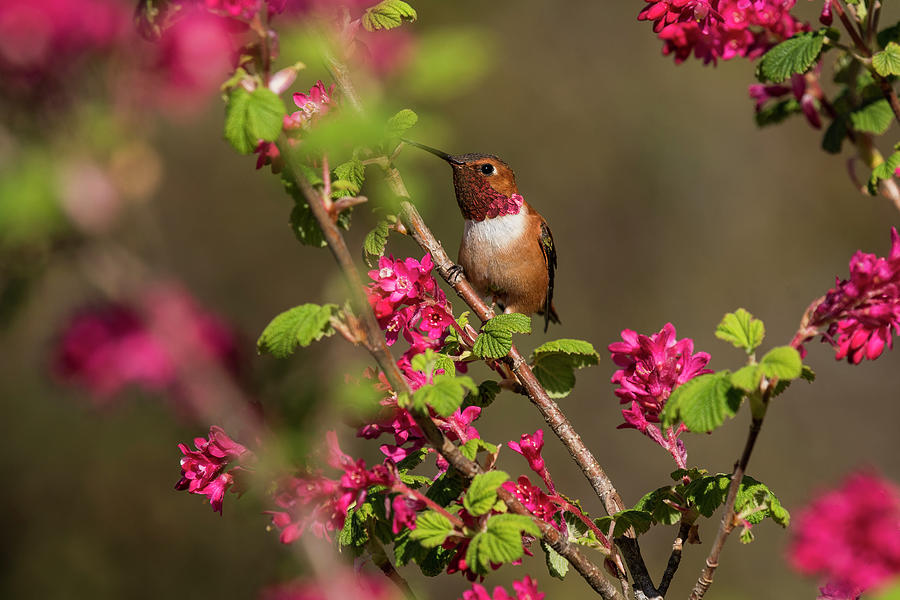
(381, 560)
(728, 522)
(380, 351)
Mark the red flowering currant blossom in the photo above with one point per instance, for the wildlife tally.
(345, 584)
(313, 106)
(530, 446)
(850, 536)
(805, 89)
(203, 470)
(525, 590)
(535, 500)
(653, 366)
(858, 314)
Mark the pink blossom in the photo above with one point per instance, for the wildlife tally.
(203, 470)
(859, 313)
(530, 446)
(313, 106)
(524, 590)
(805, 89)
(404, 511)
(653, 366)
(535, 500)
(344, 584)
(850, 536)
(244, 9)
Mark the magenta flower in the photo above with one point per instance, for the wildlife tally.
(858, 314)
(203, 469)
(651, 368)
(313, 106)
(243, 9)
(535, 500)
(344, 584)
(525, 590)
(530, 446)
(404, 511)
(850, 536)
(805, 89)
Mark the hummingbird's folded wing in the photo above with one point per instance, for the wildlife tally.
(548, 249)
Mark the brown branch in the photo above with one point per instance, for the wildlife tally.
(675, 558)
(380, 351)
(381, 560)
(643, 584)
(729, 522)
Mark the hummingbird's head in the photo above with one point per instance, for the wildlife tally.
(479, 180)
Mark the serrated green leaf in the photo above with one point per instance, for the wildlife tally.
(875, 117)
(794, 55)
(444, 395)
(413, 460)
(703, 402)
(471, 448)
(251, 117)
(755, 502)
(808, 374)
(353, 174)
(707, 493)
(747, 378)
(777, 112)
(354, 532)
(402, 122)
(625, 519)
(376, 240)
(783, 362)
(299, 326)
(887, 62)
(305, 226)
(447, 487)
(742, 330)
(886, 169)
(557, 565)
(482, 494)
(432, 528)
(387, 15)
(554, 364)
(655, 503)
(500, 542)
(495, 339)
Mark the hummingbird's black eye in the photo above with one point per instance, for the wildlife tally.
(487, 169)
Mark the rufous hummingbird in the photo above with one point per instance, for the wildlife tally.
(507, 251)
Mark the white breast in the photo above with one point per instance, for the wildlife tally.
(497, 233)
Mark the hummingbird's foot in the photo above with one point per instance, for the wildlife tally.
(455, 274)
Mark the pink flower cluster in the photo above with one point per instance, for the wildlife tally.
(322, 503)
(860, 312)
(850, 536)
(242, 9)
(530, 446)
(203, 471)
(525, 590)
(313, 106)
(108, 347)
(653, 366)
(714, 29)
(536, 501)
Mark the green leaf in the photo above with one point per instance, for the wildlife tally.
(447, 487)
(485, 394)
(432, 528)
(742, 330)
(747, 378)
(387, 14)
(354, 533)
(299, 326)
(703, 402)
(402, 122)
(482, 494)
(630, 517)
(352, 174)
(886, 169)
(654, 503)
(782, 362)
(252, 116)
(444, 396)
(834, 136)
(887, 62)
(794, 55)
(708, 493)
(557, 565)
(413, 460)
(875, 117)
(777, 112)
(755, 501)
(470, 449)
(495, 339)
(554, 364)
(500, 542)
(376, 240)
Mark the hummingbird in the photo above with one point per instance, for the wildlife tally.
(507, 251)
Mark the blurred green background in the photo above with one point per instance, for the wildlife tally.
(666, 203)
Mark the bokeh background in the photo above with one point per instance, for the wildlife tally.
(667, 205)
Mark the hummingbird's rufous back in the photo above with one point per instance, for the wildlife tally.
(507, 250)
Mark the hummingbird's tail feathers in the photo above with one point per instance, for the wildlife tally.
(550, 316)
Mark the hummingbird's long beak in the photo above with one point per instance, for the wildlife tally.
(450, 159)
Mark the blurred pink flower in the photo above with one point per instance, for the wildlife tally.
(524, 590)
(347, 584)
(850, 536)
(805, 89)
(859, 313)
(244, 9)
(108, 347)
